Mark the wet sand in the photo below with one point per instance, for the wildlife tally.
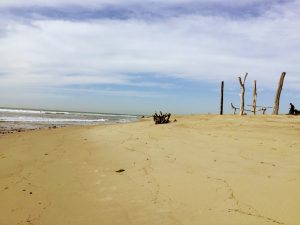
(200, 170)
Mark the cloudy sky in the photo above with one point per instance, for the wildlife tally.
(131, 56)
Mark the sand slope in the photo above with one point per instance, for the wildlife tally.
(208, 170)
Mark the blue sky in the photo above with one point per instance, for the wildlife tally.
(142, 56)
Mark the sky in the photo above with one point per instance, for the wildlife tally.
(139, 57)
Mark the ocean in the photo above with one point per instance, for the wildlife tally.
(12, 120)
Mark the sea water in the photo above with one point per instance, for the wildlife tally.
(24, 119)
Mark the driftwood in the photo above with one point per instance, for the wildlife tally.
(254, 98)
(261, 108)
(222, 98)
(161, 118)
(242, 83)
(264, 109)
(258, 109)
(277, 98)
(234, 108)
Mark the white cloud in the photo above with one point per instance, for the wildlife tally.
(205, 48)
(5, 3)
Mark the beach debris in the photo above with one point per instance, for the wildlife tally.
(254, 98)
(175, 121)
(242, 83)
(161, 118)
(260, 108)
(30, 192)
(120, 171)
(234, 108)
(277, 98)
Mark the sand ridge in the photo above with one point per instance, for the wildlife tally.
(200, 170)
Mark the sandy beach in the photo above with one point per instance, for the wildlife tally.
(210, 170)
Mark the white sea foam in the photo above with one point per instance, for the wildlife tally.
(59, 117)
(49, 120)
(29, 111)
(20, 111)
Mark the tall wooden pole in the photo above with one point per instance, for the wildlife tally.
(277, 97)
(242, 83)
(222, 98)
(254, 97)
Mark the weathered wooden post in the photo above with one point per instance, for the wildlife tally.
(254, 98)
(234, 108)
(222, 98)
(277, 97)
(242, 83)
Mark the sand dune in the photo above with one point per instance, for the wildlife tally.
(208, 170)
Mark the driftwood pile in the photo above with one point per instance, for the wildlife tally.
(255, 109)
(161, 118)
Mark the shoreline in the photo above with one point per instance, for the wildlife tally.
(17, 127)
(18, 120)
(206, 169)
(10, 128)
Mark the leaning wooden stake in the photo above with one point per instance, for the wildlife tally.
(254, 97)
(234, 108)
(242, 83)
(277, 98)
(222, 98)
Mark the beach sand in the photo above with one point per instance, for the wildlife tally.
(210, 170)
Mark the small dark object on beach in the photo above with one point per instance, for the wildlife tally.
(30, 192)
(175, 121)
(54, 127)
(46, 154)
(293, 110)
(161, 118)
(120, 171)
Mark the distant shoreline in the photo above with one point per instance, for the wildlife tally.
(18, 120)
